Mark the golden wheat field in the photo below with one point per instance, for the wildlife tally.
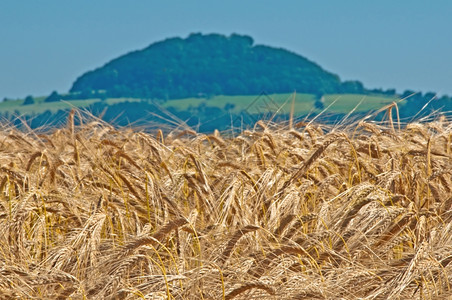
(362, 211)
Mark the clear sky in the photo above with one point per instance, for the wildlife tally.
(404, 44)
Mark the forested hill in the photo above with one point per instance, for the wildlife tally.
(207, 65)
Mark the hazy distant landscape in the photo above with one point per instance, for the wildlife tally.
(205, 81)
(212, 113)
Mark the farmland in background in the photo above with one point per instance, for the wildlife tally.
(218, 109)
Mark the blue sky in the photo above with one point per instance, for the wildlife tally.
(45, 45)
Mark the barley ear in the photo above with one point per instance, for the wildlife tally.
(247, 287)
(235, 238)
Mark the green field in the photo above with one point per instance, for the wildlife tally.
(281, 103)
(40, 106)
(344, 103)
(253, 104)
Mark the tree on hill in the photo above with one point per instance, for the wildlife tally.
(352, 87)
(210, 64)
(28, 100)
(53, 97)
(319, 103)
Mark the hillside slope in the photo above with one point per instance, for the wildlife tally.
(208, 65)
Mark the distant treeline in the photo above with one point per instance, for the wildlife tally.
(143, 114)
(148, 114)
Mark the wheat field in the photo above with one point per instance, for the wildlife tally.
(308, 211)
